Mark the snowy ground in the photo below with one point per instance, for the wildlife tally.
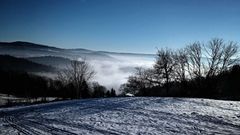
(132, 115)
(10, 99)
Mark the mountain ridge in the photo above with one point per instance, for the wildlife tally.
(36, 45)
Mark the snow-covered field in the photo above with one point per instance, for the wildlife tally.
(130, 115)
(10, 99)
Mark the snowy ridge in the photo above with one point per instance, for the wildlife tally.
(131, 115)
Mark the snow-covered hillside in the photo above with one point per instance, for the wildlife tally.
(132, 115)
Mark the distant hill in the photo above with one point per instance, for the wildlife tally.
(20, 64)
(54, 61)
(26, 49)
(127, 54)
(21, 44)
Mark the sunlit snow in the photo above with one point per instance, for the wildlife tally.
(131, 115)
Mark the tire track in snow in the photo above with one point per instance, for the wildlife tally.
(28, 127)
(120, 116)
(19, 127)
(74, 125)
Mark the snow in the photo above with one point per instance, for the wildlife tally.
(129, 95)
(5, 99)
(127, 115)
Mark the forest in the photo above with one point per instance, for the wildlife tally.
(204, 70)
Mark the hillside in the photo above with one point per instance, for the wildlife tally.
(124, 116)
(20, 64)
(57, 62)
(27, 49)
(26, 45)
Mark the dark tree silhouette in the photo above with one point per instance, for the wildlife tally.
(113, 93)
(200, 70)
(181, 61)
(195, 60)
(98, 90)
(78, 73)
(164, 66)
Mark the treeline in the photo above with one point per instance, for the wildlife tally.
(208, 70)
(76, 85)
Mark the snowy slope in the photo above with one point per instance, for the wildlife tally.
(132, 115)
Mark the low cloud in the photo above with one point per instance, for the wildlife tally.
(113, 73)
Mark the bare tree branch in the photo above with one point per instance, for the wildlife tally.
(76, 73)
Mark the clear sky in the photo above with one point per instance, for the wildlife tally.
(119, 25)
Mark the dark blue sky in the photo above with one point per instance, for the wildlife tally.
(119, 25)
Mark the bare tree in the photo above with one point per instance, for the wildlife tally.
(140, 80)
(137, 81)
(181, 61)
(220, 56)
(164, 65)
(77, 74)
(152, 78)
(230, 55)
(195, 62)
(213, 53)
(134, 85)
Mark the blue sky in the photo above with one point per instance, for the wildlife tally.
(119, 25)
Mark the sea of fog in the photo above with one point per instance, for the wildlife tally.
(113, 73)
